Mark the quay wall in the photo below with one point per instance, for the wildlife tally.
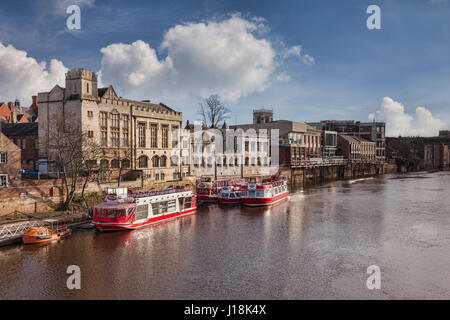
(304, 176)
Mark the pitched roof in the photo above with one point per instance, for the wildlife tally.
(20, 129)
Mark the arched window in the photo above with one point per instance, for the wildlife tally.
(163, 162)
(246, 161)
(253, 161)
(259, 161)
(115, 164)
(125, 163)
(143, 162)
(104, 163)
(155, 161)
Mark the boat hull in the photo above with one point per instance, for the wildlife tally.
(105, 226)
(30, 239)
(257, 202)
(229, 201)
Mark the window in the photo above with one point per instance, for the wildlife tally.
(141, 211)
(125, 163)
(115, 164)
(90, 134)
(18, 142)
(3, 157)
(154, 136)
(155, 162)
(143, 162)
(155, 208)
(164, 206)
(115, 120)
(125, 121)
(163, 162)
(87, 87)
(90, 114)
(125, 139)
(187, 202)
(104, 163)
(104, 138)
(162, 176)
(141, 130)
(157, 176)
(103, 119)
(115, 139)
(165, 136)
(174, 136)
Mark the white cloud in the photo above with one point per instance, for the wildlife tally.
(399, 123)
(223, 57)
(283, 77)
(22, 76)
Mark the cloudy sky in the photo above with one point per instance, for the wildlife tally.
(308, 60)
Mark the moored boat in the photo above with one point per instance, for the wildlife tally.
(45, 234)
(123, 210)
(230, 195)
(207, 192)
(268, 192)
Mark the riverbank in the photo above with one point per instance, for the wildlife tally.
(11, 232)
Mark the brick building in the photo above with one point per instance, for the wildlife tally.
(13, 112)
(138, 136)
(25, 136)
(9, 161)
(436, 155)
(355, 148)
(298, 142)
(372, 131)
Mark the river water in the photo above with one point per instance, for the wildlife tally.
(317, 245)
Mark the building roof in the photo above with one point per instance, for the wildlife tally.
(20, 129)
(350, 139)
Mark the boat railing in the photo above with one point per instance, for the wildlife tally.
(155, 193)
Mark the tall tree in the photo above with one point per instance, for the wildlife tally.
(213, 111)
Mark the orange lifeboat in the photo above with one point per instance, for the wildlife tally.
(43, 234)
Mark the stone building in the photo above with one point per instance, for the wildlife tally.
(297, 141)
(436, 155)
(9, 161)
(138, 136)
(229, 153)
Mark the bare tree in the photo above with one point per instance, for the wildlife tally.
(212, 111)
(74, 153)
(123, 155)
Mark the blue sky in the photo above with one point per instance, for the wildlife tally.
(354, 68)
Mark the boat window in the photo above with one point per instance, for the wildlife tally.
(260, 193)
(155, 208)
(164, 207)
(232, 195)
(251, 193)
(130, 211)
(172, 204)
(121, 213)
(112, 213)
(187, 202)
(243, 193)
(141, 211)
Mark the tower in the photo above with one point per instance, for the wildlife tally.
(262, 116)
(81, 83)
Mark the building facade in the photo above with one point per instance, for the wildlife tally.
(355, 148)
(134, 136)
(10, 160)
(25, 136)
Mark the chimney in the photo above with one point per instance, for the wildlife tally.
(11, 106)
(35, 101)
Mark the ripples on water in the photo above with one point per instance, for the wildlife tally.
(317, 245)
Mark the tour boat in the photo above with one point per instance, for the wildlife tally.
(125, 210)
(230, 195)
(268, 192)
(207, 192)
(44, 234)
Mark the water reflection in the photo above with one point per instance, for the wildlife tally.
(316, 245)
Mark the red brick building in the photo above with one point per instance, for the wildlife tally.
(13, 112)
(25, 137)
(9, 161)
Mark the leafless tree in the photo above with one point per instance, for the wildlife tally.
(213, 111)
(75, 155)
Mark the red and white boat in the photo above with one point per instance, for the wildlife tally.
(230, 195)
(124, 210)
(208, 192)
(268, 192)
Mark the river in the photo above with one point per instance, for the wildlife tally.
(317, 245)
